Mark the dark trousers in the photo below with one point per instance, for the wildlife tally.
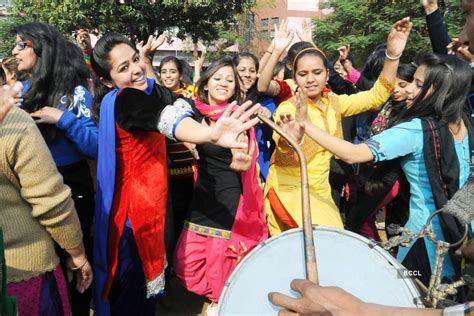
(77, 177)
(128, 293)
(180, 194)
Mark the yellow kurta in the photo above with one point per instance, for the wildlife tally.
(284, 173)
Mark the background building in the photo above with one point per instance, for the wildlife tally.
(271, 12)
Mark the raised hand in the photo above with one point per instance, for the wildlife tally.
(283, 37)
(242, 158)
(398, 37)
(306, 33)
(430, 6)
(293, 128)
(152, 44)
(199, 60)
(301, 104)
(344, 52)
(462, 50)
(232, 123)
(83, 39)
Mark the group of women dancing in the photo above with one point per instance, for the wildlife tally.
(188, 181)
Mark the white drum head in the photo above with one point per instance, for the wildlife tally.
(345, 259)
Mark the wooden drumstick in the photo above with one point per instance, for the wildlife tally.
(310, 254)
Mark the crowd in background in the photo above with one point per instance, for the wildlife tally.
(116, 176)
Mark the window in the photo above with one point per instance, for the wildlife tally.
(264, 23)
(275, 21)
(264, 35)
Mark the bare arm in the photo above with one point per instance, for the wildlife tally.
(350, 153)
(226, 130)
(282, 40)
(266, 56)
(317, 300)
(396, 42)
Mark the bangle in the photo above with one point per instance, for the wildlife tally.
(81, 266)
(392, 58)
(269, 52)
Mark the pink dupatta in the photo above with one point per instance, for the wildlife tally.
(249, 226)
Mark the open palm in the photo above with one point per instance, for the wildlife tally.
(398, 37)
(232, 123)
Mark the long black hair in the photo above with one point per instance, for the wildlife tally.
(252, 93)
(444, 91)
(100, 61)
(374, 63)
(58, 70)
(59, 67)
(213, 68)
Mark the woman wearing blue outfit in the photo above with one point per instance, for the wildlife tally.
(247, 66)
(57, 99)
(433, 139)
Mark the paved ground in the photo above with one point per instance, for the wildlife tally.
(183, 303)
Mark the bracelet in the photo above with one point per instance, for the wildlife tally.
(392, 58)
(269, 52)
(81, 266)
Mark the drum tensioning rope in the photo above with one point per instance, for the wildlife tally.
(436, 291)
(309, 249)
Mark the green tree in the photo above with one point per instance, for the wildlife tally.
(199, 19)
(7, 39)
(365, 24)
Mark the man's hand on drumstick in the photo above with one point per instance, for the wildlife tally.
(317, 300)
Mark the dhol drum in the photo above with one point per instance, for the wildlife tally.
(345, 259)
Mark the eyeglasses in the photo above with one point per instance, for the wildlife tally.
(21, 45)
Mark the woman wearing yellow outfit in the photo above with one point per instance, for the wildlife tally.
(325, 109)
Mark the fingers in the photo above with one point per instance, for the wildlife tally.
(284, 301)
(251, 123)
(298, 285)
(230, 108)
(37, 116)
(285, 312)
(285, 118)
(231, 247)
(246, 115)
(285, 25)
(149, 41)
(243, 247)
(282, 27)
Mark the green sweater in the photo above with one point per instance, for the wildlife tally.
(35, 205)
